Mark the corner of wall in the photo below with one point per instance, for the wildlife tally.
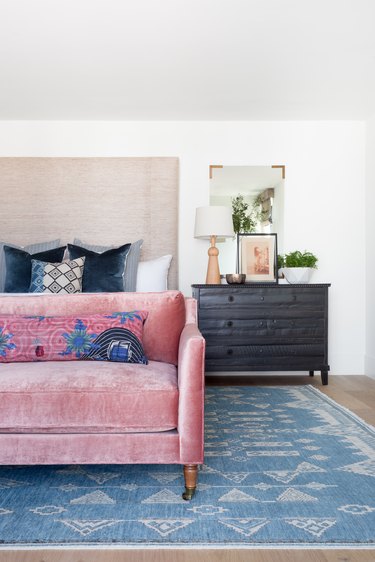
(370, 256)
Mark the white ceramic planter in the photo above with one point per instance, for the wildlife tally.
(297, 274)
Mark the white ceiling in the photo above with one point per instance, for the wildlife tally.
(187, 59)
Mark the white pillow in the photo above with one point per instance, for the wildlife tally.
(152, 275)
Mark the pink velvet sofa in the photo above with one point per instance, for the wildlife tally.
(75, 412)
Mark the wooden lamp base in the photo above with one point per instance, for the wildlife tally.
(213, 271)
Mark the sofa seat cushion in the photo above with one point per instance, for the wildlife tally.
(80, 396)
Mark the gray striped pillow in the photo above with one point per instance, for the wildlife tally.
(31, 249)
(131, 262)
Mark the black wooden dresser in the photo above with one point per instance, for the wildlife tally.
(263, 327)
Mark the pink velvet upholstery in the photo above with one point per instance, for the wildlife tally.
(99, 412)
(167, 314)
(91, 448)
(88, 397)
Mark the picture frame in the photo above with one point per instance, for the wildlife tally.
(257, 257)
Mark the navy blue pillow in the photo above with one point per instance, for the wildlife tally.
(18, 266)
(104, 272)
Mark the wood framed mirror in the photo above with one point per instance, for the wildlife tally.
(262, 188)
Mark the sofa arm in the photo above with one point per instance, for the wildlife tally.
(191, 356)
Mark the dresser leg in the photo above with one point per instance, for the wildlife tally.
(311, 373)
(324, 377)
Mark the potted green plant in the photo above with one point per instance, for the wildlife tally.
(297, 266)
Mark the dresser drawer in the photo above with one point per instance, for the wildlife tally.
(266, 351)
(287, 295)
(260, 327)
(267, 357)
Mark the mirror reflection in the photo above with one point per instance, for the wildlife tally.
(256, 195)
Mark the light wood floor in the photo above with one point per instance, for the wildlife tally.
(356, 393)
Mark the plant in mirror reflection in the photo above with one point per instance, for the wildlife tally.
(247, 218)
(243, 219)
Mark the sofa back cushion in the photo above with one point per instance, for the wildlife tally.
(162, 329)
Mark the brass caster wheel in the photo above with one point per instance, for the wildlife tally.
(188, 494)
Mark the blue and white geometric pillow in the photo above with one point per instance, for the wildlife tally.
(63, 278)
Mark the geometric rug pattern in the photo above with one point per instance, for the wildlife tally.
(284, 467)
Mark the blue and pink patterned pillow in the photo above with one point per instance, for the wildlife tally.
(98, 337)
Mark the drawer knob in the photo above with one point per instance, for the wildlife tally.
(231, 298)
(262, 298)
(261, 323)
(229, 323)
(230, 351)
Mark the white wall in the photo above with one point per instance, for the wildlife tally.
(370, 249)
(324, 193)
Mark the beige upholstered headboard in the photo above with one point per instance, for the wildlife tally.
(107, 201)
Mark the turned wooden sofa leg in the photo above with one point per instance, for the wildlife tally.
(191, 477)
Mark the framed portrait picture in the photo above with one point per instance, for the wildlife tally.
(257, 257)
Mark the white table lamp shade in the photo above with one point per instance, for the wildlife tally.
(213, 220)
(210, 223)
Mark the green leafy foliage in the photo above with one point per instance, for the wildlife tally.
(243, 219)
(280, 261)
(259, 214)
(298, 259)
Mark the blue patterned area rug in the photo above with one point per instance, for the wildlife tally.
(285, 467)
